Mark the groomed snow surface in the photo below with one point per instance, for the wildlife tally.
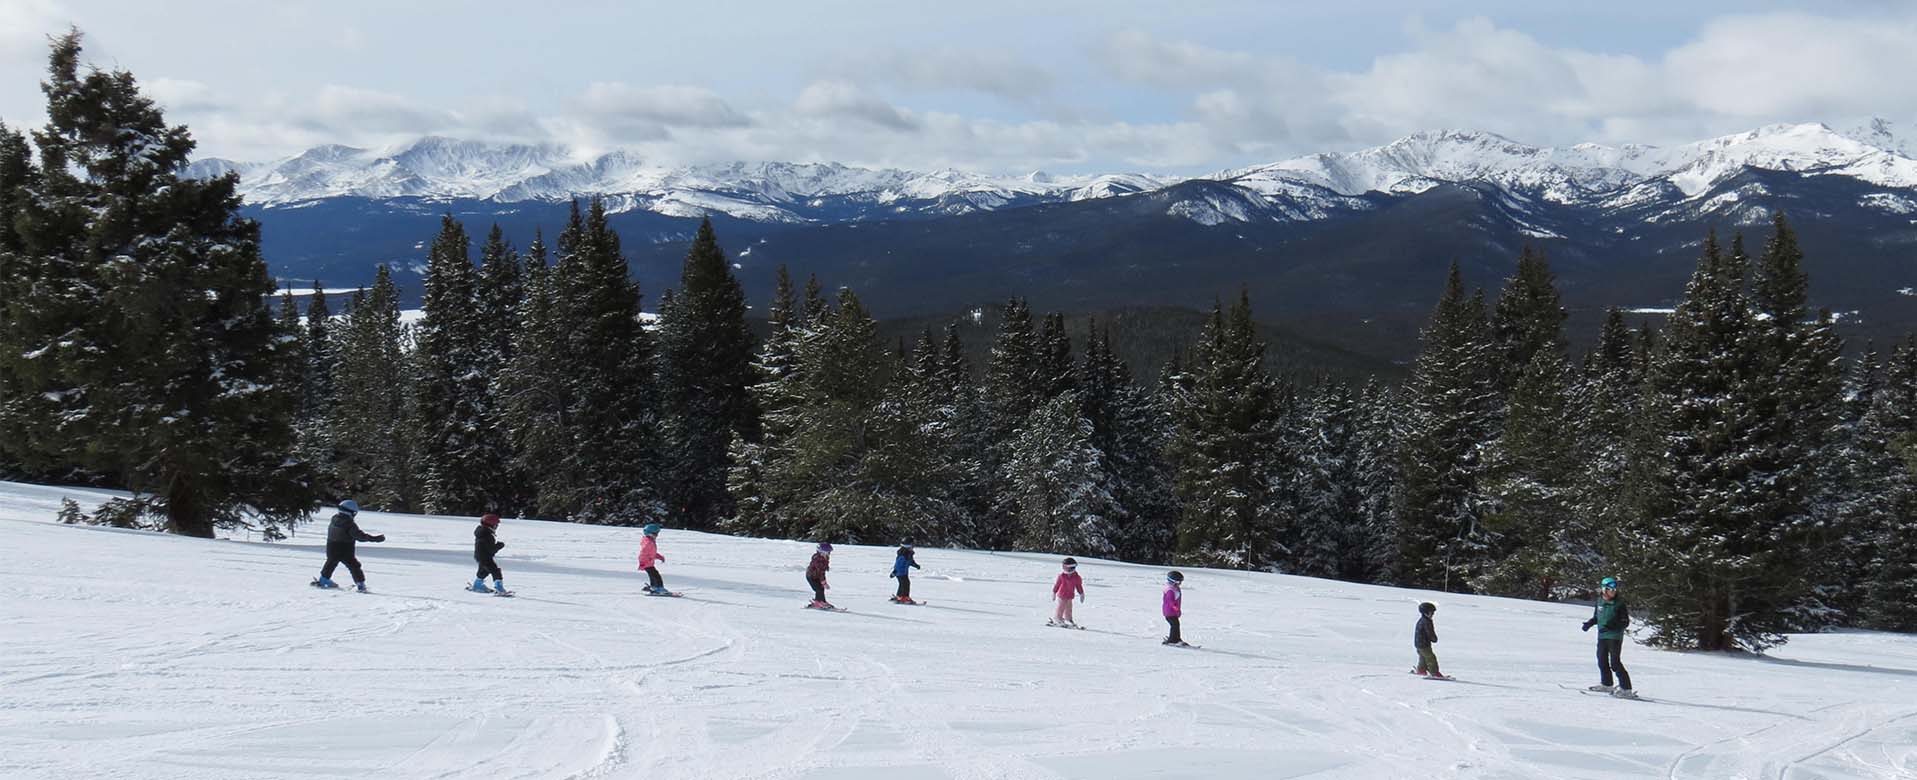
(139, 655)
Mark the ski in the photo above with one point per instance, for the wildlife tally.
(907, 602)
(664, 593)
(827, 608)
(1441, 677)
(1056, 624)
(504, 593)
(1180, 644)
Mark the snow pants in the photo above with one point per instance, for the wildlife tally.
(905, 587)
(338, 555)
(489, 568)
(1428, 662)
(1173, 638)
(652, 576)
(1608, 662)
(818, 588)
(1064, 612)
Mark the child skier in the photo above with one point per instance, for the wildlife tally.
(1423, 637)
(484, 545)
(902, 567)
(815, 575)
(1174, 606)
(341, 539)
(649, 559)
(1611, 616)
(1067, 584)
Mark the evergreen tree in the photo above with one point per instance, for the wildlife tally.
(1060, 483)
(1529, 317)
(373, 444)
(1379, 486)
(1224, 408)
(705, 368)
(317, 400)
(971, 452)
(535, 405)
(459, 462)
(1722, 536)
(500, 299)
(1129, 429)
(759, 499)
(1545, 545)
(1450, 403)
(16, 175)
(1331, 537)
(1016, 383)
(1885, 476)
(842, 378)
(145, 345)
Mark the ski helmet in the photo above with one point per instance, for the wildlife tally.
(349, 506)
(490, 521)
(1427, 608)
(1071, 563)
(652, 529)
(1175, 576)
(825, 547)
(1609, 583)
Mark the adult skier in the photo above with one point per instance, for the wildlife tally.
(1611, 616)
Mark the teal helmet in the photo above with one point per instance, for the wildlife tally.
(652, 529)
(1609, 583)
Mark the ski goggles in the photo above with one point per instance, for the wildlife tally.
(1071, 567)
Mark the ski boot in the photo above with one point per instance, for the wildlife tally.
(361, 587)
(324, 583)
(479, 586)
(1624, 693)
(1600, 688)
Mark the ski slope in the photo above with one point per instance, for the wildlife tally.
(138, 655)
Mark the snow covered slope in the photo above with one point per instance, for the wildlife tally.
(136, 655)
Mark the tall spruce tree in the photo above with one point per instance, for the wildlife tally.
(1016, 383)
(1330, 536)
(1529, 317)
(317, 398)
(16, 174)
(1130, 430)
(145, 345)
(1379, 485)
(1060, 484)
(460, 463)
(843, 373)
(1885, 476)
(1450, 404)
(535, 406)
(1544, 547)
(1224, 407)
(705, 369)
(373, 444)
(760, 497)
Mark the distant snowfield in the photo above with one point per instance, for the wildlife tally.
(138, 655)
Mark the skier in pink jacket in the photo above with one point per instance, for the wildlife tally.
(1174, 606)
(649, 559)
(1067, 584)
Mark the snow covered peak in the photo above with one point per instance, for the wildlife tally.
(1805, 148)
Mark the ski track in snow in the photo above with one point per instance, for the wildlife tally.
(137, 655)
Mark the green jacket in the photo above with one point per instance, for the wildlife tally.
(1611, 618)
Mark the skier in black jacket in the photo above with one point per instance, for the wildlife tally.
(1423, 637)
(341, 536)
(484, 545)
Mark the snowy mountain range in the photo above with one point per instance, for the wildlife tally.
(1300, 189)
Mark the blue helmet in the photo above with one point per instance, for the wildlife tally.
(652, 529)
(1609, 583)
(349, 506)
(825, 547)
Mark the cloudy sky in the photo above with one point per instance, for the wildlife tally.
(1061, 85)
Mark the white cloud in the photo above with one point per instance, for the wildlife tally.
(844, 99)
(25, 26)
(670, 106)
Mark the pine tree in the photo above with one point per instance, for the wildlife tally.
(1450, 404)
(842, 377)
(759, 498)
(1330, 538)
(971, 454)
(1060, 483)
(368, 420)
(1015, 385)
(16, 175)
(1224, 406)
(705, 368)
(1129, 429)
(1885, 517)
(1545, 545)
(146, 346)
(535, 404)
(1723, 534)
(460, 464)
(1529, 317)
(1379, 485)
(317, 399)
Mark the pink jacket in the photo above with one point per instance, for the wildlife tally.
(1067, 584)
(1174, 601)
(649, 552)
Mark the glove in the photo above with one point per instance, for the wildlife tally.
(892, 576)
(1588, 624)
(497, 546)
(1081, 598)
(660, 557)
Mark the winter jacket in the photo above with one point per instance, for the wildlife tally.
(484, 545)
(821, 563)
(1611, 618)
(1426, 634)
(1174, 601)
(902, 565)
(649, 552)
(1067, 585)
(343, 533)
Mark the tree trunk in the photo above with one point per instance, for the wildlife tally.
(184, 514)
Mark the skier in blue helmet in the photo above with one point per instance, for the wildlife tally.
(1611, 616)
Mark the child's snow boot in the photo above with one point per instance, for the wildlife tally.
(479, 586)
(499, 588)
(324, 582)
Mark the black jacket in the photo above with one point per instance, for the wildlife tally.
(343, 533)
(1427, 633)
(483, 544)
